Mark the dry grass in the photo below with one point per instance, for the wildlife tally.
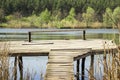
(97, 25)
(4, 62)
(111, 66)
(6, 71)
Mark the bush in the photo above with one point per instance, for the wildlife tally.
(45, 16)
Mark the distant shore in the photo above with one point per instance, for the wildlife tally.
(80, 25)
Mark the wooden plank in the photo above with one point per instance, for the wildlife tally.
(55, 65)
(36, 43)
(64, 77)
(67, 64)
(59, 73)
(60, 56)
(53, 70)
(59, 65)
(73, 49)
(29, 54)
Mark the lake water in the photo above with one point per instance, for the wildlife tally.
(36, 66)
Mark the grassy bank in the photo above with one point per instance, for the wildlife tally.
(53, 24)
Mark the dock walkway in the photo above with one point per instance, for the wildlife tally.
(60, 63)
(61, 53)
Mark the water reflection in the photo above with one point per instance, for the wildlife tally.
(98, 67)
(22, 34)
(35, 67)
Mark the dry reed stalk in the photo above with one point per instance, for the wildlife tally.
(6, 72)
(4, 62)
(111, 64)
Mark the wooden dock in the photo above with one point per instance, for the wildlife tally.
(61, 54)
(60, 63)
(25, 48)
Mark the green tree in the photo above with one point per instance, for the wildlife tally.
(45, 16)
(88, 17)
(116, 17)
(107, 17)
(71, 16)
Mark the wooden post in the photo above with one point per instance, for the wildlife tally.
(78, 63)
(20, 61)
(84, 38)
(29, 36)
(83, 68)
(105, 63)
(15, 68)
(92, 67)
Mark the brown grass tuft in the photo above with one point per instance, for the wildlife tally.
(4, 62)
(111, 66)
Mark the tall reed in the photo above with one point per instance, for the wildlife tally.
(111, 66)
(4, 62)
(8, 72)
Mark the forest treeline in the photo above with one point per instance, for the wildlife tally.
(28, 7)
(57, 8)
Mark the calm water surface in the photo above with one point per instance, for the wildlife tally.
(36, 66)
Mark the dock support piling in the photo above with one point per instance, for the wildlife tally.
(20, 61)
(84, 38)
(83, 68)
(105, 63)
(92, 67)
(15, 68)
(78, 63)
(29, 36)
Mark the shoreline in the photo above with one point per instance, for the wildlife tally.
(57, 28)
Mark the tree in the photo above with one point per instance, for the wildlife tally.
(71, 16)
(107, 17)
(88, 17)
(116, 17)
(45, 16)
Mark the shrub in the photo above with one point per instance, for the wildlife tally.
(45, 16)
(107, 17)
(88, 17)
